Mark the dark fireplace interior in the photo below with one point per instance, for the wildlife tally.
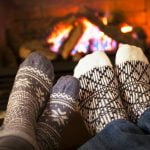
(61, 30)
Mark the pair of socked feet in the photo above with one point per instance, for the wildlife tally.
(98, 91)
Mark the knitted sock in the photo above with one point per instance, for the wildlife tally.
(58, 110)
(99, 100)
(28, 97)
(133, 73)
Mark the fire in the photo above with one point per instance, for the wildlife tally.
(104, 20)
(86, 23)
(126, 28)
(58, 36)
(93, 38)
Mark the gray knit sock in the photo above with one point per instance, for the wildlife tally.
(99, 100)
(28, 97)
(58, 110)
(133, 73)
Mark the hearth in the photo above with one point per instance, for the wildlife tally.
(80, 34)
(75, 35)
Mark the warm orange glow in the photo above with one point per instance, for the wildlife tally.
(126, 28)
(86, 23)
(105, 20)
(92, 39)
(94, 34)
(89, 26)
(60, 32)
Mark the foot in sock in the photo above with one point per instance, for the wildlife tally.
(99, 101)
(133, 73)
(28, 97)
(62, 104)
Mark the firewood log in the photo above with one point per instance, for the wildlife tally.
(72, 41)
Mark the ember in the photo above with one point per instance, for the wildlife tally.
(104, 20)
(126, 28)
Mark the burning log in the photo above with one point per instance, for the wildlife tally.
(115, 33)
(87, 34)
(35, 45)
(72, 41)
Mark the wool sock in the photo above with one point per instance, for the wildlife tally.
(133, 73)
(28, 97)
(99, 101)
(57, 114)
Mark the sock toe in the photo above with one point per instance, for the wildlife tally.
(28, 97)
(132, 71)
(40, 62)
(56, 116)
(130, 53)
(68, 85)
(96, 59)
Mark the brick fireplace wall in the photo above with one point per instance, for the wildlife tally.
(7, 17)
(136, 12)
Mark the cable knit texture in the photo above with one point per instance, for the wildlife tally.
(28, 97)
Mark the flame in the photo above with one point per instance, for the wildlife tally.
(104, 20)
(126, 28)
(59, 34)
(83, 43)
(86, 23)
(93, 38)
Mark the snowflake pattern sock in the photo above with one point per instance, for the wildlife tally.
(62, 103)
(28, 97)
(99, 101)
(133, 73)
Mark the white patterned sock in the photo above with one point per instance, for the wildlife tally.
(133, 73)
(99, 101)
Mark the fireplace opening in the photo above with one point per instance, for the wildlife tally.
(86, 34)
(75, 35)
(81, 36)
(25, 27)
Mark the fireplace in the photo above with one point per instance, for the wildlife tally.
(61, 31)
(83, 33)
(26, 24)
